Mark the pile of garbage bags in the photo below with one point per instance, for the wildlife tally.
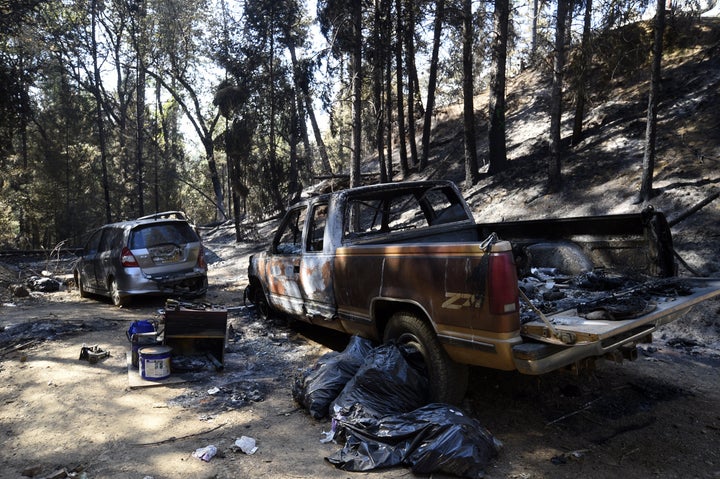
(377, 399)
(320, 385)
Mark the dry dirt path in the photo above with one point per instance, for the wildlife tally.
(658, 417)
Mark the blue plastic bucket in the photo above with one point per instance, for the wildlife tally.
(154, 362)
(139, 327)
(140, 334)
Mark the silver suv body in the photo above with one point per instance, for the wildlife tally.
(158, 255)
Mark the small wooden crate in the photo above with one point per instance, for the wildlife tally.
(196, 329)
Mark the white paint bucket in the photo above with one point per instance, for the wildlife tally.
(154, 362)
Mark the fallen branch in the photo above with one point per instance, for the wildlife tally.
(17, 347)
(585, 407)
(172, 439)
(687, 266)
(694, 209)
(627, 454)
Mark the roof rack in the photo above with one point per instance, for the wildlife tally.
(166, 215)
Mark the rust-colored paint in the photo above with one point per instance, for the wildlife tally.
(440, 279)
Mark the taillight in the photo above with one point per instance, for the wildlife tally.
(127, 259)
(201, 258)
(502, 284)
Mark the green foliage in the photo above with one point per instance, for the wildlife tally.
(335, 25)
(69, 134)
(50, 146)
(263, 96)
(9, 226)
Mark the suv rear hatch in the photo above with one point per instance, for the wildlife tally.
(165, 248)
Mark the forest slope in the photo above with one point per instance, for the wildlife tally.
(601, 174)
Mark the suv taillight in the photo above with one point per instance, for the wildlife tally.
(127, 259)
(502, 283)
(201, 258)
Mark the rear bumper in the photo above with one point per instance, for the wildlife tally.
(193, 283)
(541, 358)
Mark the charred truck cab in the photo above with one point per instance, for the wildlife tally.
(407, 262)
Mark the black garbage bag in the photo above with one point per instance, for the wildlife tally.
(390, 381)
(317, 387)
(434, 438)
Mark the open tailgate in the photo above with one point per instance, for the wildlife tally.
(574, 334)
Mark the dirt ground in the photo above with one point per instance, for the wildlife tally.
(656, 417)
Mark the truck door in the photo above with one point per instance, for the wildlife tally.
(284, 264)
(316, 275)
(299, 269)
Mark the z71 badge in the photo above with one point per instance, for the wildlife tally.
(462, 300)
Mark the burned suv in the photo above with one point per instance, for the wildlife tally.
(160, 254)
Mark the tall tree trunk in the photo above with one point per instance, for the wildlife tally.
(275, 166)
(412, 78)
(302, 85)
(472, 175)
(168, 140)
(308, 157)
(497, 149)
(140, 138)
(122, 95)
(233, 168)
(355, 178)
(389, 111)
(400, 97)
(299, 104)
(324, 158)
(554, 166)
(533, 34)
(102, 140)
(581, 77)
(379, 37)
(238, 151)
(411, 66)
(157, 130)
(294, 184)
(214, 176)
(430, 107)
(140, 104)
(648, 170)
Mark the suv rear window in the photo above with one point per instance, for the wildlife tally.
(148, 236)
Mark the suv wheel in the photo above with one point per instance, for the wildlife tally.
(115, 294)
(81, 288)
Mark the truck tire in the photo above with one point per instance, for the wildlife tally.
(254, 292)
(447, 379)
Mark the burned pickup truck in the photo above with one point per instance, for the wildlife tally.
(407, 262)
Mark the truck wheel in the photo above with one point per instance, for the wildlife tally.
(447, 379)
(263, 306)
(255, 294)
